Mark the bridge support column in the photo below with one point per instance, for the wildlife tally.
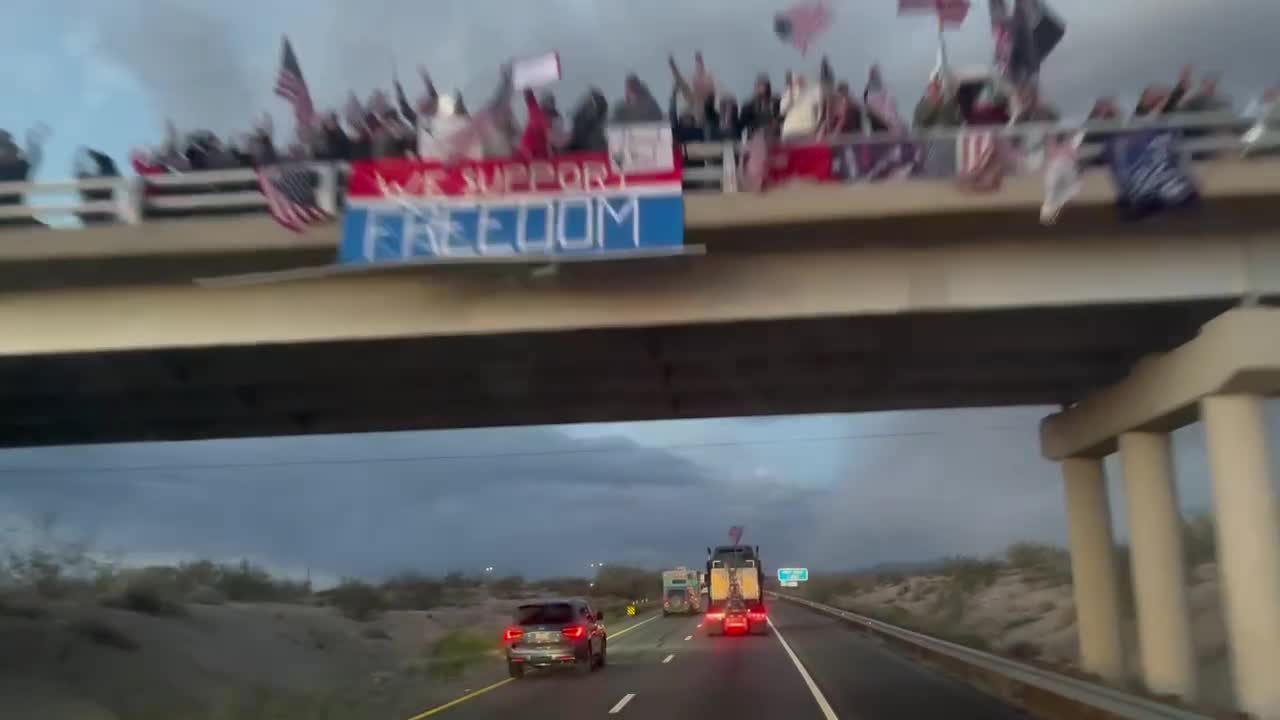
(1248, 535)
(1093, 568)
(1159, 571)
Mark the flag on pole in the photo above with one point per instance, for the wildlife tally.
(1001, 34)
(880, 102)
(1035, 30)
(801, 24)
(291, 86)
(290, 196)
(951, 13)
(980, 160)
(735, 534)
(1061, 175)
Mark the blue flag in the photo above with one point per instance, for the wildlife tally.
(1150, 173)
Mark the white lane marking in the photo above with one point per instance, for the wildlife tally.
(688, 637)
(622, 703)
(823, 705)
(667, 659)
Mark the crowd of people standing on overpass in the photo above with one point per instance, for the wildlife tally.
(699, 107)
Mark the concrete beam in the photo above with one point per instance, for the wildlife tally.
(721, 287)
(1236, 352)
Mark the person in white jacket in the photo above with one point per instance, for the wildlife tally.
(801, 109)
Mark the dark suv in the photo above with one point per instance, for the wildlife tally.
(556, 633)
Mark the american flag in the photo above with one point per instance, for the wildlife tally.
(735, 534)
(880, 102)
(290, 197)
(1002, 34)
(293, 88)
(979, 160)
(802, 23)
(951, 13)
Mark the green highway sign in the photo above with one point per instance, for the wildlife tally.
(793, 575)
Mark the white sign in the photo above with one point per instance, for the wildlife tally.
(641, 148)
(536, 72)
(791, 584)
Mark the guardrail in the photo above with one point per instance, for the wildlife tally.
(711, 167)
(1039, 692)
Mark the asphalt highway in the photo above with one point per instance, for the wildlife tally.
(809, 667)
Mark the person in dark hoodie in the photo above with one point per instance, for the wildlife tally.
(638, 104)
(91, 164)
(16, 165)
(589, 119)
(763, 111)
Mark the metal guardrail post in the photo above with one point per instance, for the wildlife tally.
(128, 199)
(327, 188)
(729, 169)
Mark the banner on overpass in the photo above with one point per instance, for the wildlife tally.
(624, 203)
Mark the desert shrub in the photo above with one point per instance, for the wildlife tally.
(1041, 561)
(564, 587)
(205, 595)
(357, 600)
(508, 587)
(102, 633)
(411, 591)
(1199, 542)
(146, 598)
(627, 582)
(17, 607)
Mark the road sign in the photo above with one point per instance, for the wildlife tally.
(789, 575)
(791, 584)
(631, 609)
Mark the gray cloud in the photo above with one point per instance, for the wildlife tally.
(186, 60)
(550, 501)
(213, 65)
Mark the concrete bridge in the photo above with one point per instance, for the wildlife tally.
(818, 299)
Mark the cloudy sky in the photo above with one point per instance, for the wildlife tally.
(820, 491)
(109, 73)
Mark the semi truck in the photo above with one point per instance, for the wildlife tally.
(681, 591)
(736, 598)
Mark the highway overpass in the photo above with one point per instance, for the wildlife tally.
(815, 299)
(825, 299)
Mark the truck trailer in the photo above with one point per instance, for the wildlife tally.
(681, 591)
(736, 598)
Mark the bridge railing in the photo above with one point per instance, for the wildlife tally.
(711, 167)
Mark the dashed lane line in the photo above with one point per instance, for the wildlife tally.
(621, 703)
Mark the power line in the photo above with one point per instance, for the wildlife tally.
(455, 457)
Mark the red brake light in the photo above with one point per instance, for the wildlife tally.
(715, 616)
(575, 632)
(512, 634)
(756, 616)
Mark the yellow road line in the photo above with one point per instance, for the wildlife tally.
(471, 695)
(629, 628)
(459, 701)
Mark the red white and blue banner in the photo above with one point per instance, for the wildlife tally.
(584, 205)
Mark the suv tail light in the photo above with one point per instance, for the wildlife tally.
(512, 634)
(574, 633)
(756, 616)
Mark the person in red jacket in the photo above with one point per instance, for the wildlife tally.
(535, 144)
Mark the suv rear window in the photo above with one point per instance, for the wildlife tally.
(548, 614)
